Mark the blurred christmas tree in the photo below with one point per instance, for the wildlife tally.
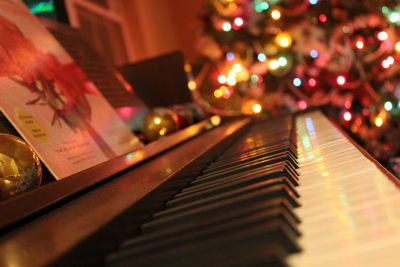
(269, 56)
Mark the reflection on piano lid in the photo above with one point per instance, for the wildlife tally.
(227, 196)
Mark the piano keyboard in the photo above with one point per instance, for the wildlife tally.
(270, 195)
(350, 209)
(239, 211)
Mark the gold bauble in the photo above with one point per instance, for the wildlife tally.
(20, 169)
(159, 123)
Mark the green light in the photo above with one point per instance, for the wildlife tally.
(345, 29)
(254, 78)
(282, 61)
(264, 5)
(394, 17)
(385, 10)
(388, 105)
(260, 6)
(43, 7)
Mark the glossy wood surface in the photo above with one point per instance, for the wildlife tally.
(46, 238)
(18, 208)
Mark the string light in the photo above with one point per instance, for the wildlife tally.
(282, 61)
(192, 85)
(347, 116)
(238, 22)
(260, 6)
(314, 53)
(261, 57)
(302, 104)
(382, 36)
(394, 17)
(284, 40)
(257, 108)
(275, 14)
(341, 80)
(226, 26)
(236, 67)
(360, 44)
(273, 64)
(230, 56)
(388, 105)
(378, 121)
(231, 81)
(323, 18)
(222, 79)
(397, 47)
(312, 82)
(297, 82)
(254, 78)
(218, 93)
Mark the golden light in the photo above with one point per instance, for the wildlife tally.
(378, 121)
(215, 120)
(163, 131)
(398, 47)
(218, 93)
(275, 14)
(157, 120)
(273, 64)
(192, 85)
(187, 67)
(236, 67)
(257, 108)
(284, 40)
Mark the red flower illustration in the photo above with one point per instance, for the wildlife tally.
(62, 87)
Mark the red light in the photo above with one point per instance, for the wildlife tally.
(347, 116)
(323, 18)
(312, 82)
(302, 104)
(341, 80)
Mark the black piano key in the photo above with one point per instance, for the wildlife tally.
(220, 189)
(204, 231)
(200, 219)
(249, 160)
(269, 171)
(260, 152)
(214, 246)
(240, 168)
(265, 190)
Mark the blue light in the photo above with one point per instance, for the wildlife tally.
(297, 82)
(398, 104)
(314, 53)
(230, 56)
(313, 2)
(261, 57)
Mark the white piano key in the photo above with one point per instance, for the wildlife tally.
(349, 207)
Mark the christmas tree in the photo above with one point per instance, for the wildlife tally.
(272, 56)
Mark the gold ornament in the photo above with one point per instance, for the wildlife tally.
(20, 169)
(159, 123)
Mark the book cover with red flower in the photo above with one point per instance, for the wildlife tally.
(50, 101)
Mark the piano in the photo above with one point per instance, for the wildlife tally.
(288, 191)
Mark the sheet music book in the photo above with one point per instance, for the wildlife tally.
(50, 101)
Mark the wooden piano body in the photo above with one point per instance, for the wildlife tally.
(349, 207)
